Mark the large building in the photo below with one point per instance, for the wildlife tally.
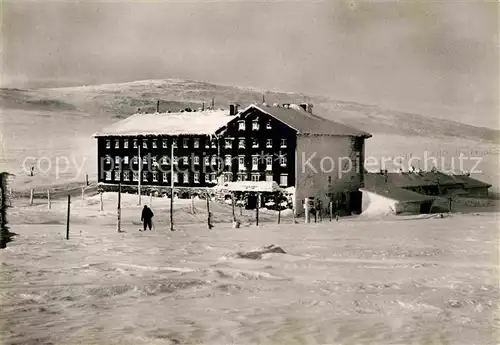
(284, 143)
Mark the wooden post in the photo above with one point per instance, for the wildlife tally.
(139, 192)
(171, 187)
(232, 205)
(279, 214)
(257, 210)
(118, 208)
(208, 213)
(87, 179)
(48, 199)
(67, 217)
(100, 202)
(31, 197)
(306, 210)
(330, 207)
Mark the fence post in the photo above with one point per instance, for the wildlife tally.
(232, 205)
(257, 210)
(119, 210)
(31, 196)
(209, 223)
(48, 199)
(172, 209)
(306, 210)
(100, 202)
(67, 218)
(87, 179)
(279, 214)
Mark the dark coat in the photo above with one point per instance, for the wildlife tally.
(147, 214)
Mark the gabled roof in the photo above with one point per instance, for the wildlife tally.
(403, 180)
(398, 194)
(306, 123)
(195, 122)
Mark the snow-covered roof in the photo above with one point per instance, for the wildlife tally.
(195, 122)
(305, 122)
(250, 186)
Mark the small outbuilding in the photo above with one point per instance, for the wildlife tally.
(394, 200)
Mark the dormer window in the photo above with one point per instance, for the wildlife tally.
(268, 125)
(255, 125)
(241, 125)
(283, 143)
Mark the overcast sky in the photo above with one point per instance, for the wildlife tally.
(408, 54)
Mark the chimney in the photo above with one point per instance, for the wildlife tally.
(233, 109)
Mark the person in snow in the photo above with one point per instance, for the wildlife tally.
(146, 217)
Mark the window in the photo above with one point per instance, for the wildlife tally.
(207, 143)
(213, 178)
(283, 160)
(214, 160)
(185, 160)
(117, 160)
(207, 178)
(135, 176)
(241, 125)
(134, 160)
(108, 175)
(329, 179)
(153, 143)
(241, 143)
(206, 159)
(268, 125)
(255, 142)
(269, 178)
(135, 143)
(126, 175)
(241, 162)
(255, 177)
(196, 178)
(255, 162)
(269, 143)
(185, 178)
(107, 160)
(144, 175)
(174, 143)
(196, 160)
(283, 143)
(144, 143)
(155, 176)
(283, 180)
(228, 177)
(125, 143)
(214, 144)
(175, 161)
(242, 177)
(154, 160)
(164, 160)
(255, 125)
(125, 159)
(176, 178)
(165, 176)
(269, 163)
(164, 143)
(228, 143)
(185, 143)
(108, 144)
(117, 144)
(144, 159)
(227, 160)
(196, 143)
